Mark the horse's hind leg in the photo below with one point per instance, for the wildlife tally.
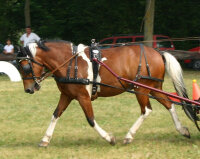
(170, 106)
(62, 105)
(145, 111)
(86, 105)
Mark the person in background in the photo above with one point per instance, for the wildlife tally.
(29, 37)
(9, 48)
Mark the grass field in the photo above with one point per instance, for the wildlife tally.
(24, 119)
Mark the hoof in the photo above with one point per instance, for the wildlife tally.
(127, 141)
(43, 144)
(113, 140)
(185, 132)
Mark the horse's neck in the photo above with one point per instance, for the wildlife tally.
(55, 59)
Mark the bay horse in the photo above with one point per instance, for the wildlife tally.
(122, 60)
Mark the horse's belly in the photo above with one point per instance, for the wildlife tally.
(108, 92)
(113, 86)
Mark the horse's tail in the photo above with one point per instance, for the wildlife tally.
(174, 70)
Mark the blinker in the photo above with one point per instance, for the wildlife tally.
(27, 69)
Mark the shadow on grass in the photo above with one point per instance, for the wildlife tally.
(170, 138)
(56, 142)
(74, 141)
(86, 142)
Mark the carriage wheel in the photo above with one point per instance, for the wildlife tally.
(193, 113)
(197, 122)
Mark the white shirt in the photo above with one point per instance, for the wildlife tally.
(8, 48)
(30, 39)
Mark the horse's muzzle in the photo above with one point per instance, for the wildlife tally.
(31, 90)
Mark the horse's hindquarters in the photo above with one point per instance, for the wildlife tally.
(125, 61)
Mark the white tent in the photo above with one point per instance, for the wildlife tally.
(10, 70)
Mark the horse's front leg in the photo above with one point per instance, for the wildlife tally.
(86, 105)
(62, 105)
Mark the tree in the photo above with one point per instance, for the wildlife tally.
(27, 13)
(79, 21)
(11, 19)
(149, 22)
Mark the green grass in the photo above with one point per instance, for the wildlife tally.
(24, 119)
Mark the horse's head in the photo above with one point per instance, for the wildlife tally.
(30, 66)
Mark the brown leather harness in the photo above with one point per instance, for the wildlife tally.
(95, 52)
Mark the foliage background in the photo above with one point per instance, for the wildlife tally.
(81, 20)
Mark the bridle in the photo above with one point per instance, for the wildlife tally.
(28, 68)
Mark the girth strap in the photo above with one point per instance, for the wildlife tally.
(83, 81)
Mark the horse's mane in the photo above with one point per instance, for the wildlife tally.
(24, 51)
(41, 43)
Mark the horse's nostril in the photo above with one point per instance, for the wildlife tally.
(29, 91)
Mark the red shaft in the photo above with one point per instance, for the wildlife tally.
(145, 86)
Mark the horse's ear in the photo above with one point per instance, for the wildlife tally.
(41, 45)
(20, 51)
